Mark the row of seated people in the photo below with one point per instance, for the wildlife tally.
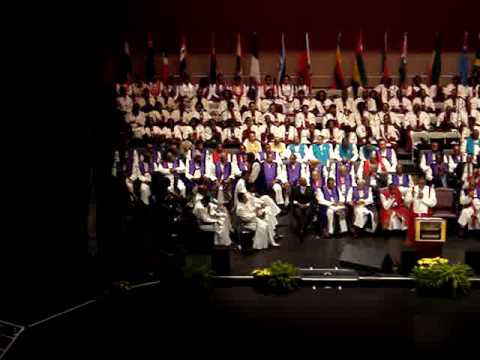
(272, 175)
(168, 95)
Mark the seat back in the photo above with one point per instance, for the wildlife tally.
(445, 200)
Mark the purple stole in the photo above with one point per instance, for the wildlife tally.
(348, 181)
(222, 175)
(270, 172)
(456, 158)
(141, 166)
(330, 195)
(356, 194)
(192, 167)
(319, 169)
(294, 173)
(315, 186)
(405, 180)
(241, 162)
(388, 155)
(175, 164)
(429, 157)
(478, 192)
(263, 155)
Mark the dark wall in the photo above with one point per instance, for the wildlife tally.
(169, 19)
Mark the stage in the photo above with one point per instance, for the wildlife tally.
(366, 253)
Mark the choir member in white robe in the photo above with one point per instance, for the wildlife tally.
(253, 113)
(387, 90)
(301, 100)
(344, 102)
(470, 215)
(172, 168)
(304, 118)
(253, 218)
(455, 85)
(215, 222)
(360, 198)
(309, 135)
(388, 132)
(422, 198)
(387, 157)
(186, 89)
(416, 86)
(332, 203)
(400, 103)
(425, 102)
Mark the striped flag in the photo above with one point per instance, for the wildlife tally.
(150, 59)
(283, 62)
(305, 63)
(435, 68)
(254, 61)
(126, 64)
(476, 61)
(165, 70)
(359, 75)
(338, 77)
(238, 57)
(402, 69)
(385, 72)
(463, 61)
(213, 62)
(183, 57)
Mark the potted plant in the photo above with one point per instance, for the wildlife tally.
(197, 278)
(279, 278)
(436, 276)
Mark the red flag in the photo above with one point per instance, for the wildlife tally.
(305, 63)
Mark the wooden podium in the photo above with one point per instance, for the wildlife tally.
(430, 235)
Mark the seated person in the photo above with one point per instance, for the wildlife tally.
(253, 113)
(388, 131)
(254, 217)
(434, 164)
(239, 161)
(248, 127)
(366, 151)
(269, 179)
(302, 200)
(470, 214)
(290, 132)
(321, 151)
(309, 135)
(210, 220)
(401, 180)
(301, 151)
(332, 133)
(196, 170)
(346, 152)
(230, 113)
(141, 173)
(252, 145)
(232, 134)
(425, 101)
(221, 174)
(300, 101)
(360, 198)
(387, 157)
(471, 145)
(394, 214)
(173, 168)
(278, 146)
(447, 120)
(332, 204)
(212, 134)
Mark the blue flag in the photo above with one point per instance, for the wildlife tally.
(463, 61)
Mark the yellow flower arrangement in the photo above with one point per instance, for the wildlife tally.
(429, 262)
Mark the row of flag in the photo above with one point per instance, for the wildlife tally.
(359, 75)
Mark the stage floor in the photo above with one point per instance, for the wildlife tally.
(368, 250)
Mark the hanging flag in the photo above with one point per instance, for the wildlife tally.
(126, 65)
(305, 63)
(283, 62)
(254, 61)
(150, 60)
(183, 57)
(165, 71)
(213, 62)
(385, 72)
(476, 61)
(238, 57)
(359, 75)
(435, 68)
(463, 61)
(338, 77)
(402, 69)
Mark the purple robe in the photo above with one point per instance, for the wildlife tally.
(241, 162)
(192, 167)
(405, 180)
(294, 173)
(270, 172)
(142, 168)
(388, 154)
(225, 174)
(263, 155)
(330, 195)
(356, 194)
(429, 158)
